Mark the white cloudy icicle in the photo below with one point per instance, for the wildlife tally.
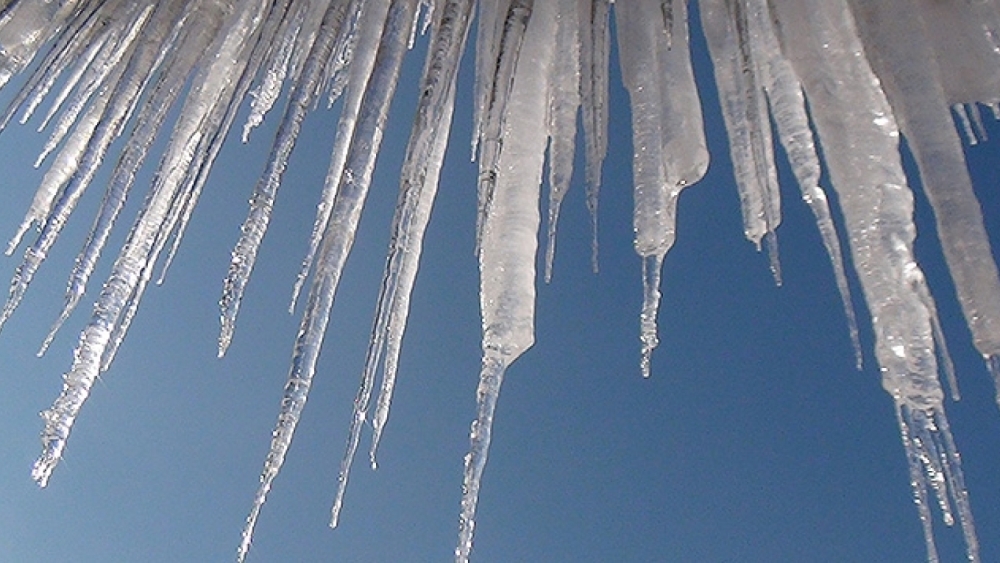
(855, 124)
(896, 40)
(508, 246)
(668, 139)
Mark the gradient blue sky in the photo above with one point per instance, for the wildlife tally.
(754, 441)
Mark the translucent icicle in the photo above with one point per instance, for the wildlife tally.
(262, 199)
(668, 140)
(896, 40)
(150, 119)
(27, 26)
(508, 51)
(491, 17)
(370, 25)
(285, 39)
(337, 242)
(70, 48)
(743, 106)
(216, 79)
(564, 103)
(784, 93)
(418, 186)
(853, 119)
(595, 45)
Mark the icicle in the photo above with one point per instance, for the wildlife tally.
(963, 118)
(737, 75)
(490, 142)
(564, 104)
(71, 47)
(896, 40)
(853, 119)
(668, 140)
(26, 27)
(507, 252)
(594, 59)
(491, 17)
(418, 186)
(137, 253)
(262, 199)
(420, 170)
(370, 30)
(337, 242)
(784, 93)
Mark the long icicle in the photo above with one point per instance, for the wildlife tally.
(262, 199)
(337, 243)
(418, 187)
(509, 244)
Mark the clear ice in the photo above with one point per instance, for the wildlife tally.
(851, 76)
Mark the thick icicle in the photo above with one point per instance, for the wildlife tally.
(854, 122)
(418, 187)
(26, 26)
(337, 242)
(262, 199)
(668, 139)
(490, 142)
(896, 41)
(509, 244)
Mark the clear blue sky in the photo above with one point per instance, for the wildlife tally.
(754, 441)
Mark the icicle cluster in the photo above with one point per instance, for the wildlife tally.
(868, 70)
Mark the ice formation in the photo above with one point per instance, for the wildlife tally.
(850, 74)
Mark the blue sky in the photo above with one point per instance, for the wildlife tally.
(755, 439)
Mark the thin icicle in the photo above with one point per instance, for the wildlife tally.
(262, 97)
(491, 17)
(564, 104)
(262, 199)
(169, 86)
(136, 254)
(369, 31)
(595, 44)
(337, 242)
(418, 186)
(421, 170)
(741, 94)
(69, 47)
(784, 93)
